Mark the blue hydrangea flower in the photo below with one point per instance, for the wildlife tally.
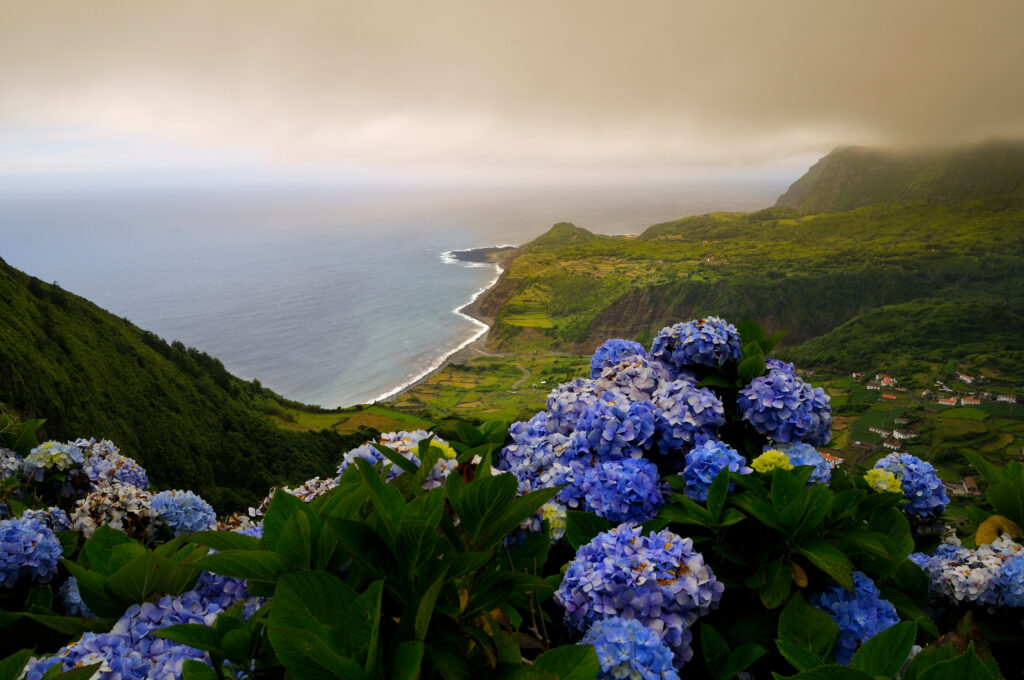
(922, 488)
(71, 599)
(657, 579)
(860, 614)
(91, 447)
(989, 575)
(612, 352)
(139, 622)
(787, 409)
(685, 415)
(708, 342)
(616, 427)
(780, 366)
(530, 445)
(115, 653)
(567, 401)
(11, 464)
(54, 456)
(106, 468)
(800, 453)
(635, 376)
(628, 649)
(1009, 582)
(28, 549)
(705, 462)
(626, 490)
(53, 517)
(184, 512)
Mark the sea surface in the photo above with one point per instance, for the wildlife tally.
(331, 296)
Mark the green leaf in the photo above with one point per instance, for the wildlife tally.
(908, 610)
(582, 527)
(367, 619)
(893, 523)
(831, 672)
(886, 652)
(785, 488)
(469, 562)
(193, 635)
(408, 660)
(26, 440)
(740, 659)
(483, 503)
(80, 672)
(295, 545)
(808, 627)
(572, 662)
(714, 649)
(987, 470)
(197, 670)
(750, 331)
(225, 540)
(314, 595)
(777, 584)
(107, 550)
(799, 657)
(140, 578)
(845, 503)
(387, 501)
(74, 626)
(427, 509)
(1013, 470)
(830, 560)
(257, 565)
(772, 341)
(806, 512)
(425, 608)
(68, 541)
(716, 381)
(717, 492)
(469, 434)
(416, 547)
(967, 665)
(1007, 497)
(751, 367)
(10, 667)
(303, 650)
(758, 509)
(396, 458)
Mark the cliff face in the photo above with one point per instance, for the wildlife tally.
(851, 177)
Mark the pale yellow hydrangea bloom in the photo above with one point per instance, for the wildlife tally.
(883, 480)
(554, 513)
(770, 460)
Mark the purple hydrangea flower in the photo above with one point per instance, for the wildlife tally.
(800, 453)
(708, 342)
(626, 490)
(628, 649)
(786, 408)
(685, 415)
(114, 652)
(105, 468)
(922, 488)
(139, 622)
(860, 614)
(780, 366)
(184, 512)
(28, 549)
(658, 580)
(612, 352)
(705, 462)
(616, 427)
(53, 517)
(567, 401)
(635, 376)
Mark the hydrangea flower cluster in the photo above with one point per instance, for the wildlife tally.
(566, 402)
(628, 649)
(658, 580)
(685, 415)
(106, 467)
(407, 444)
(53, 455)
(635, 376)
(860, 614)
(772, 459)
(708, 342)
(626, 490)
(611, 352)
(705, 462)
(922, 488)
(28, 549)
(122, 506)
(184, 512)
(883, 480)
(991, 575)
(11, 464)
(113, 652)
(800, 453)
(784, 407)
(616, 427)
(55, 518)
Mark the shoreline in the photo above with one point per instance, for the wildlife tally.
(473, 347)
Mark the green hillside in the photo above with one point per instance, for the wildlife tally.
(174, 409)
(851, 177)
(808, 274)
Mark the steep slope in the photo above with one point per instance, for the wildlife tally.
(176, 410)
(851, 177)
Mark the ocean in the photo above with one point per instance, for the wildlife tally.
(330, 296)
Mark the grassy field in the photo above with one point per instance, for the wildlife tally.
(348, 421)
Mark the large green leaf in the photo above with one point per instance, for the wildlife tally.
(785, 488)
(885, 653)
(894, 524)
(830, 560)
(572, 662)
(798, 656)
(408, 659)
(140, 578)
(777, 584)
(483, 503)
(107, 550)
(808, 627)
(10, 667)
(387, 501)
(74, 626)
(717, 492)
(1007, 497)
(427, 509)
(805, 513)
(257, 565)
(295, 546)
(989, 471)
(582, 527)
(303, 649)
(425, 607)
(225, 540)
(714, 649)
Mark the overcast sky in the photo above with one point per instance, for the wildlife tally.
(474, 84)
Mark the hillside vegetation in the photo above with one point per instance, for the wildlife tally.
(174, 409)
